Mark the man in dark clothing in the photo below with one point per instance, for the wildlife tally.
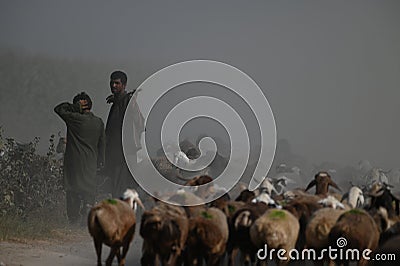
(84, 153)
(115, 165)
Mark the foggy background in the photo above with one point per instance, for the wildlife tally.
(330, 70)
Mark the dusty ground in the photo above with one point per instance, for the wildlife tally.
(71, 247)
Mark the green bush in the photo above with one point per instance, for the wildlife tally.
(31, 187)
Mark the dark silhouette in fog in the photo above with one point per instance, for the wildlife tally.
(84, 153)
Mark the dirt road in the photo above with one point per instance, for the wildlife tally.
(73, 247)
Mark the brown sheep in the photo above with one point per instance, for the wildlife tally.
(113, 222)
(164, 229)
(187, 198)
(207, 238)
(278, 229)
(360, 231)
(302, 208)
(318, 229)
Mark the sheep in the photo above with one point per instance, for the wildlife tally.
(295, 193)
(302, 208)
(322, 181)
(246, 196)
(360, 231)
(278, 229)
(185, 198)
(164, 230)
(239, 237)
(237, 189)
(207, 238)
(318, 229)
(113, 222)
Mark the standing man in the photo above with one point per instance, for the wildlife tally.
(115, 165)
(84, 153)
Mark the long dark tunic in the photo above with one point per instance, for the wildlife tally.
(85, 148)
(115, 165)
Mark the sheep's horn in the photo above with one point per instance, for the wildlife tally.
(333, 184)
(312, 183)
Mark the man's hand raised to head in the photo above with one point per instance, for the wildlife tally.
(84, 105)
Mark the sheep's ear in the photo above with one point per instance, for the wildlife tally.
(140, 203)
(345, 196)
(333, 184)
(312, 183)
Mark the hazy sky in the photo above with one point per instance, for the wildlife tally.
(330, 70)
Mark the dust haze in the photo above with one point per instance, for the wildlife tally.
(330, 70)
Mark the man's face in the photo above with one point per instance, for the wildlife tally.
(116, 86)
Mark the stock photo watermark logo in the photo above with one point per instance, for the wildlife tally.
(340, 253)
(160, 83)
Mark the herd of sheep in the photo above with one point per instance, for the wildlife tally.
(239, 224)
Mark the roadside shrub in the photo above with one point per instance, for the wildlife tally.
(30, 184)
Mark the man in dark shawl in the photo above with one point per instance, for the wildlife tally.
(84, 153)
(115, 165)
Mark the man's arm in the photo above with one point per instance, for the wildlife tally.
(67, 111)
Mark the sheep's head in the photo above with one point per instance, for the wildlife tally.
(132, 198)
(202, 190)
(246, 196)
(382, 196)
(322, 181)
(151, 224)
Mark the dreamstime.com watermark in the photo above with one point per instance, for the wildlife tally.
(340, 253)
(149, 96)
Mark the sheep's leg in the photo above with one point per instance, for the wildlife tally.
(98, 245)
(214, 260)
(118, 254)
(125, 249)
(232, 256)
(148, 259)
(110, 258)
(262, 263)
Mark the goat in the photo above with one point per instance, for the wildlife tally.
(113, 222)
(355, 197)
(322, 181)
(265, 197)
(382, 197)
